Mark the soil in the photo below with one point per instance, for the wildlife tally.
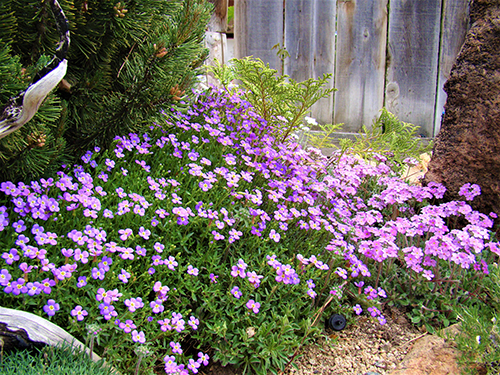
(365, 347)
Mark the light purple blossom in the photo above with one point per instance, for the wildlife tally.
(252, 305)
(51, 307)
(79, 313)
(138, 336)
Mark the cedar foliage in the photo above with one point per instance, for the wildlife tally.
(127, 62)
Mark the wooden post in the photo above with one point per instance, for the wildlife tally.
(215, 37)
(414, 32)
(361, 59)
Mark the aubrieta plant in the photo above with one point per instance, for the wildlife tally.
(207, 238)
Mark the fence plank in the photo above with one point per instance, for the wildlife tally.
(414, 29)
(454, 28)
(258, 27)
(360, 67)
(310, 41)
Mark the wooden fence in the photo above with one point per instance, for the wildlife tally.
(392, 53)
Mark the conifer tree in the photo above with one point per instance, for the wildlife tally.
(127, 61)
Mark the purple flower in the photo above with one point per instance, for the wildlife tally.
(125, 233)
(51, 307)
(170, 263)
(341, 272)
(144, 233)
(124, 276)
(79, 312)
(203, 358)
(138, 337)
(176, 347)
(107, 310)
(275, 236)
(192, 271)
(11, 257)
(134, 303)
(357, 309)
(254, 279)
(193, 322)
(127, 326)
(311, 293)
(98, 273)
(82, 281)
(5, 277)
(470, 191)
(374, 311)
(213, 278)
(236, 292)
(157, 306)
(252, 305)
(193, 365)
(19, 226)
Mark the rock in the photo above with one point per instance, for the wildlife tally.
(429, 355)
(467, 149)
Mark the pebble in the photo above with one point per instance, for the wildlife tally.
(364, 348)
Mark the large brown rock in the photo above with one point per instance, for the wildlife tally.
(467, 149)
(430, 355)
(435, 355)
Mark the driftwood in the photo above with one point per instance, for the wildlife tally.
(19, 329)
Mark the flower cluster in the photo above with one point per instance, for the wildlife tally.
(172, 231)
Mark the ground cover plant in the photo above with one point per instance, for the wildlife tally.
(51, 361)
(207, 238)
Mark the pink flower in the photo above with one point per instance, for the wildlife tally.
(138, 337)
(79, 313)
(252, 305)
(176, 347)
(274, 236)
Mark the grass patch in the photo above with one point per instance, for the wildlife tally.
(51, 361)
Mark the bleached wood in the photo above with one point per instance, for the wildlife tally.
(361, 58)
(218, 21)
(215, 37)
(216, 42)
(454, 28)
(414, 30)
(40, 330)
(310, 41)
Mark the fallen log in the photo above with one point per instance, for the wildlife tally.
(21, 330)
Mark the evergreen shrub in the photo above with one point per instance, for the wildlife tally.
(126, 61)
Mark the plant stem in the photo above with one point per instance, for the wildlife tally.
(138, 365)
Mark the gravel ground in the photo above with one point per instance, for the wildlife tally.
(363, 348)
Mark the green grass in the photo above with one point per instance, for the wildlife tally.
(51, 361)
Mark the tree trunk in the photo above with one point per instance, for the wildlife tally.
(467, 149)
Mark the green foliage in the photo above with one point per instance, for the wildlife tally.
(321, 138)
(390, 137)
(51, 361)
(278, 99)
(479, 340)
(127, 62)
(30, 150)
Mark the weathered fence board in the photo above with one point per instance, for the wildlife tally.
(360, 68)
(399, 60)
(310, 55)
(454, 28)
(412, 68)
(258, 26)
